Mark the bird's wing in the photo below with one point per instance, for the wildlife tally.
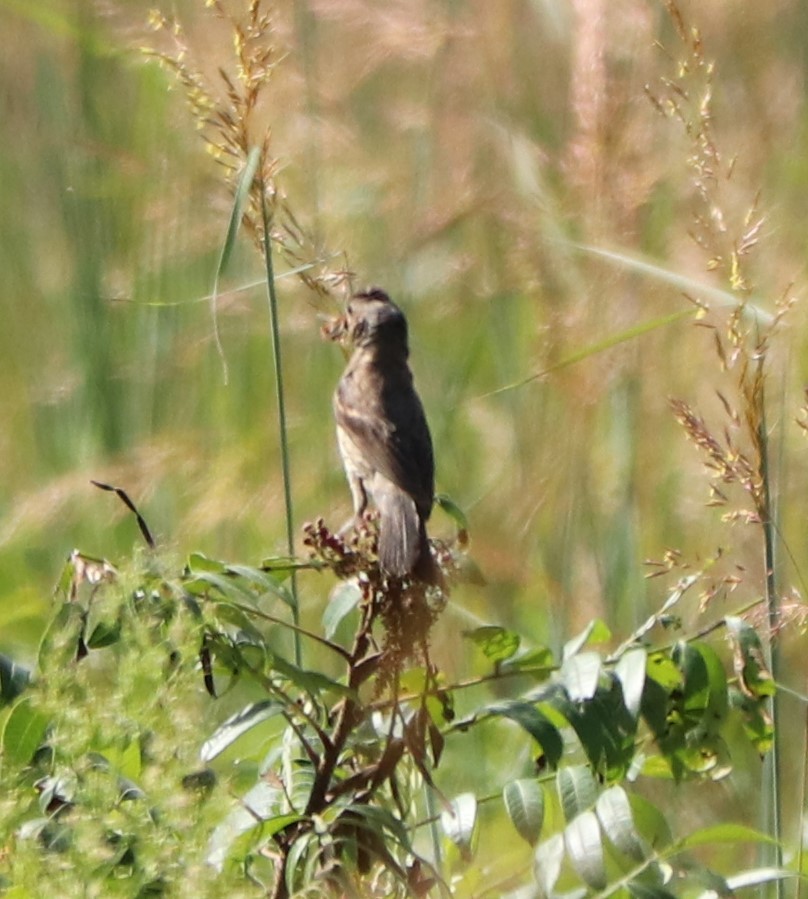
(396, 444)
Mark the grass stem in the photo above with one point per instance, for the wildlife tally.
(272, 301)
(772, 792)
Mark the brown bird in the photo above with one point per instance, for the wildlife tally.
(383, 435)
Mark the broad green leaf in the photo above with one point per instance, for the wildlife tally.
(260, 803)
(342, 601)
(237, 725)
(228, 614)
(654, 708)
(662, 669)
(724, 833)
(595, 632)
(604, 727)
(104, 634)
(23, 732)
(228, 586)
(614, 812)
(630, 671)
(14, 678)
(311, 681)
(524, 802)
(585, 849)
(547, 861)
(577, 790)
(198, 562)
(718, 702)
(705, 683)
(536, 724)
(459, 821)
(651, 824)
(579, 673)
(696, 682)
(497, 643)
(304, 848)
(264, 581)
(538, 657)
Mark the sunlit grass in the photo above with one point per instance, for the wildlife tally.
(443, 151)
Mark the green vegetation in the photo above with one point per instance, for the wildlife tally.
(590, 217)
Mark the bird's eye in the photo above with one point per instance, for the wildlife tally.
(349, 310)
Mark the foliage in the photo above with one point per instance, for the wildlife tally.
(167, 745)
(174, 738)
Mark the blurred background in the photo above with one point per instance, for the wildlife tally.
(460, 153)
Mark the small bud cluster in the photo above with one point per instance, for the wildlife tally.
(347, 556)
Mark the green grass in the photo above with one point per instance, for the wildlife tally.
(442, 150)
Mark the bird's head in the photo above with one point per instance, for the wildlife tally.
(371, 318)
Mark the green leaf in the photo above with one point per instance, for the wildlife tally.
(343, 600)
(538, 657)
(580, 673)
(23, 732)
(536, 723)
(264, 581)
(240, 200)
(757, 722)
(705, 684)
(454, 511)
(755, 877)
(749, 659)
(237, 725)
(312, 682)
(379, 820)
(198, 562)
(229, 587)
(604, 727)
(595, 632)
(14, 678)
(577, 790)
(614, 813)
(585, 849)
(630, 671)
(104, 634)
(497, 643)
(524, 802)
(459, 822)
(651, 824)
(547, 861)
(664, 671)
(260, 803)
(724, 833)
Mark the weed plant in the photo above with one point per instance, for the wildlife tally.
(302, 725)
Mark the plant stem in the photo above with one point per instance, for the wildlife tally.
(773, 811)
(280, 396)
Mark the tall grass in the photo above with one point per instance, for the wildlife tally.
(458, 154)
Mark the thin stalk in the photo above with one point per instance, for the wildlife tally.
(803, 780)
(272, 301)
(772, 770)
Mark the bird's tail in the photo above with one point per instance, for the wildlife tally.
(403, 544)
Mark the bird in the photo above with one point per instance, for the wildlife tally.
(383, 435)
